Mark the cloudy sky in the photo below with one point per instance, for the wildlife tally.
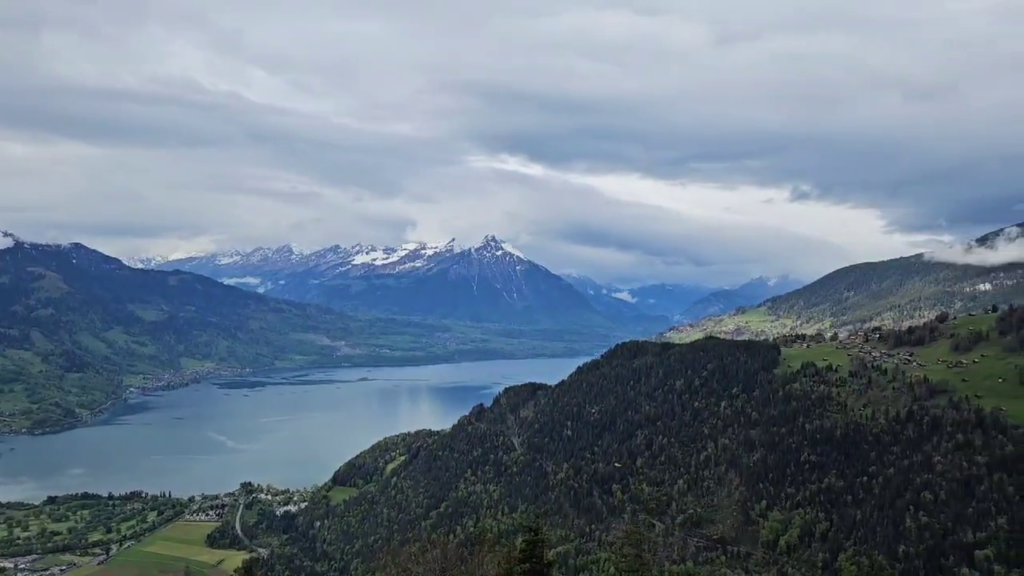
(700, 140)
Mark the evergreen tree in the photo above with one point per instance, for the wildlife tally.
(632, 551)
(532, 558)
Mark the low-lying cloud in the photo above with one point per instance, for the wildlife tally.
(1006, 248)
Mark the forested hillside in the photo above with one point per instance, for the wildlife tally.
(701, 458)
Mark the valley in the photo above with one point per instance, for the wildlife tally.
(81, 331)
(151, 535)
(447, 288)
(834, 426)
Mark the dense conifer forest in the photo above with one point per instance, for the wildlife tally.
(660, 458)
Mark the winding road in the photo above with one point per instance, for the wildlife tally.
(238, 528)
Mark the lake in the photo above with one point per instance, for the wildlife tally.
(290, 429)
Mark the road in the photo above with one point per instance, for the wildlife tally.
(238, 528)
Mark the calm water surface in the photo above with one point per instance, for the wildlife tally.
(289, 429)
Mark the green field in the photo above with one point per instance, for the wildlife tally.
(339, 494)
(168, 552)
(750, 323)
(979, 379)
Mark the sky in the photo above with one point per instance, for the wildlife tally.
(651, 140)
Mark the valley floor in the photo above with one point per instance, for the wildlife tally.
(177, 549)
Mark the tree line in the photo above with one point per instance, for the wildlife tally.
(696, 458)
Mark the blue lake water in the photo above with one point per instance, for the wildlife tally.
(290, 429)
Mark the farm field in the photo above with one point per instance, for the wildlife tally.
(989, 373)
(176, 550)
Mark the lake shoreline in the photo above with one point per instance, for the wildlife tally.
(184, 378)
(205, 439)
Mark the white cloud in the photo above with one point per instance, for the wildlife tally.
(662, 139)
(624, 295)
(1007, 248)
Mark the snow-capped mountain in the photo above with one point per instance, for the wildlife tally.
(262, 266)
(490, 281)
(145, 262)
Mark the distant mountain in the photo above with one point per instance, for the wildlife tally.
(489, 282)
(669, 300)
(750, 293)
(77, 327)
(613, 301)
(895, 292)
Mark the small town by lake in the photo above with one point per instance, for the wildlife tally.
(290, 429)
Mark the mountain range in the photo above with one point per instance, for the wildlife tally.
(890, 293)
(78, 328)
(488, 282)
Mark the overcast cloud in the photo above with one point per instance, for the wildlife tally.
(707, 140)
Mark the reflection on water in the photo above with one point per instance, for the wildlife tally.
(290, 429)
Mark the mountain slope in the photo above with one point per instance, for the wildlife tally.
(487, 282)
(895, 292)
(719, 464)
(490, 282)
(78, 327)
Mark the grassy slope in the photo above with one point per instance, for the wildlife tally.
(889, 293)
(749, 323)
(982, 378)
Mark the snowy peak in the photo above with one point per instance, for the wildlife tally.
(492, 245)
(144, 262)
(266, 262)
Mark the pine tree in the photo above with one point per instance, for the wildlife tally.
(631, 551)
(532, 557)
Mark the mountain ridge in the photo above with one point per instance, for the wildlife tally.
(490, 281)
(889, 293)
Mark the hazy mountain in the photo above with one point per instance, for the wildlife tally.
(613, 301)
(662, 299)
(750, 293)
